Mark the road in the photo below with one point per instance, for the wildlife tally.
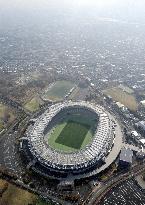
(95, 196)
(9, 150)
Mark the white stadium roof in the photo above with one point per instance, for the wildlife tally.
(93, 152)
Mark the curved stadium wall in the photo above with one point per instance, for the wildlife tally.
(49, 161)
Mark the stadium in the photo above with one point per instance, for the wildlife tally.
(69, 138)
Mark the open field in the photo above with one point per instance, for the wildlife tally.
(34, 104)
(6, 116)
(71, 135)
(74, 93)
(40, 202)
(11, 195)
(58, 90)
(123, 97)
(16, 196)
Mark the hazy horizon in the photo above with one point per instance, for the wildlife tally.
(130, 9)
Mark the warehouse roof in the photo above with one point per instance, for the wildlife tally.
(126, 155)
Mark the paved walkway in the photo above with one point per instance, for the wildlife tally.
(140, 181)
(115, 149)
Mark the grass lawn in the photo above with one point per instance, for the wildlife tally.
(123, 97)
(71, 135)
(58, 90)
(74, 93)
(12, 195)
(5, 113)
(16, 196)
(41, 202)
(34, 104)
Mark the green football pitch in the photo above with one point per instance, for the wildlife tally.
(58, 90)
(71, 135)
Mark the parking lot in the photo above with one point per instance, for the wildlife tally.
(9, 154)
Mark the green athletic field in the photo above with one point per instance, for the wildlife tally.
(58, 90)
(73, 134)
(33, 104)
(7, 116)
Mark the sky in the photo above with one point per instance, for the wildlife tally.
(121, 9)
(42, 3)
(65, 3)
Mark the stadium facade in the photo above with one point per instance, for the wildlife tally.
(48, 161)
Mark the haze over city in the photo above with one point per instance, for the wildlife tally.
(72, 102)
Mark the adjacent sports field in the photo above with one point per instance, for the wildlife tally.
(34, 104)
(6, 116)
(71, 135)
(58, 90)
(123, 97)
(12, 195)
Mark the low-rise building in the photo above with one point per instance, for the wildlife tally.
(141, 125)
(126, 157)
(135, 135)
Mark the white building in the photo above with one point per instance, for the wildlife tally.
(135, 135)
(142, 141)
